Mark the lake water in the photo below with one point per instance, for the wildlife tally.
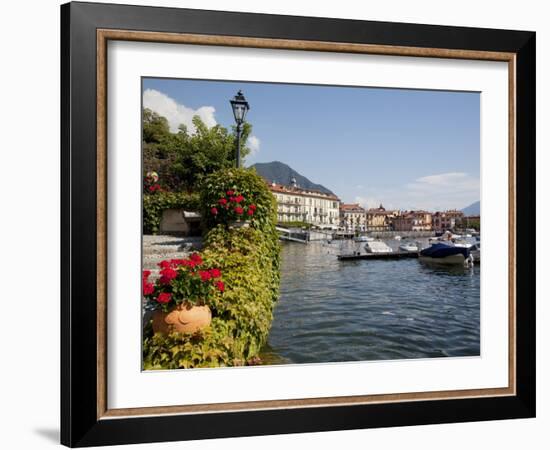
(332, 310)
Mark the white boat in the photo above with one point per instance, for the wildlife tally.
(397, 238)
(475, 251)
(378, 247)
(363, 239)
(466, 242)
(448, 236)
(409, 247)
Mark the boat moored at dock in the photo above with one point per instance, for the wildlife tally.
(363, 238)
(378, 247)
(441, 253)
(409, 247)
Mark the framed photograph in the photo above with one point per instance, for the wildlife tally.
(273, 224)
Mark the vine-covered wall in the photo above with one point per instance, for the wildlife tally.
(249, 259)
(154, 205)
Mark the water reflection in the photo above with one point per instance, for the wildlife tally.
(333, 310)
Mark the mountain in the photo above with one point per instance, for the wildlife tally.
(280, 173)
(472, 210)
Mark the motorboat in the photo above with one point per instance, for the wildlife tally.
(448, 236)
(475, 251)
(466, 241)
(397, 238)
(408, 247)
(378, 247)
(441, 253)
(363, 238)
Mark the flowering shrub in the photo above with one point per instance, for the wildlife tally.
(183, 281)
(151, 183)
(249, 259)
(236, 194)
(232, 206)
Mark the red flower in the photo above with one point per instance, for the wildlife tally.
(164, 297)
(222, 201)
(145, 274)
(165, 264)
(151, 189)
(196, 258)
(239, 199)
(215, 273)
(232, 199)
(205, 275)
(167, 275)
(250, 212)
(148, 288)
(214, 211)
(220, 285)
(252, 207)
(230, 192)
(177, 262)
(239, 210)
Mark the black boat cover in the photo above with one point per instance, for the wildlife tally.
(443, 250)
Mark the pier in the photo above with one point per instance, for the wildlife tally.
(385, 255)
(303, 236)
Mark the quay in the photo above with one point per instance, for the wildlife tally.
(302, 236)
(385, 255)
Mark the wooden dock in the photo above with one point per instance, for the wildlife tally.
(388, 255)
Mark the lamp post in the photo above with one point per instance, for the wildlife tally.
(240, 108)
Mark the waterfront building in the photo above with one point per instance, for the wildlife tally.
(413, 221)
(447, 220)
(471, 222)
(380, 219)
(352, 217)
(296, 204)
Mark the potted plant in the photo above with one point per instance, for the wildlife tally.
(181, 294)
(233, 209)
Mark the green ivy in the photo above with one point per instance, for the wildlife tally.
(249, 259)
(155, 204)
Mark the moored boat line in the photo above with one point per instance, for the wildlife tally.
(464, 253)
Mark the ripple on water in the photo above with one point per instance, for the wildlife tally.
(331, 310)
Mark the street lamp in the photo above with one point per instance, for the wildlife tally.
(240, 108)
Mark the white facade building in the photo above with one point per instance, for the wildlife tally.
(295, 204)
(352, 217)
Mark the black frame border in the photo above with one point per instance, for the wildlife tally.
(79, 424)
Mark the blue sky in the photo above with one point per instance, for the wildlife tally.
(407, 149)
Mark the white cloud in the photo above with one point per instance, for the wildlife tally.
(432, 192)
(367, 202)
(253, 143)
(177, 113)
(442, 191)
(443, 179)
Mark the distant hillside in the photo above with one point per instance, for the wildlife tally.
(472, 210)
(280, 173)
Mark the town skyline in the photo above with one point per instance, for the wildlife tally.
(406, 149)
(374, 206)
(299, 206)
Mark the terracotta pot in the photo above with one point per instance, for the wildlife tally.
(239, 224)
(183, 318)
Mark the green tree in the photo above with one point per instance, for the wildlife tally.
(155, 127)
(182, 159)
